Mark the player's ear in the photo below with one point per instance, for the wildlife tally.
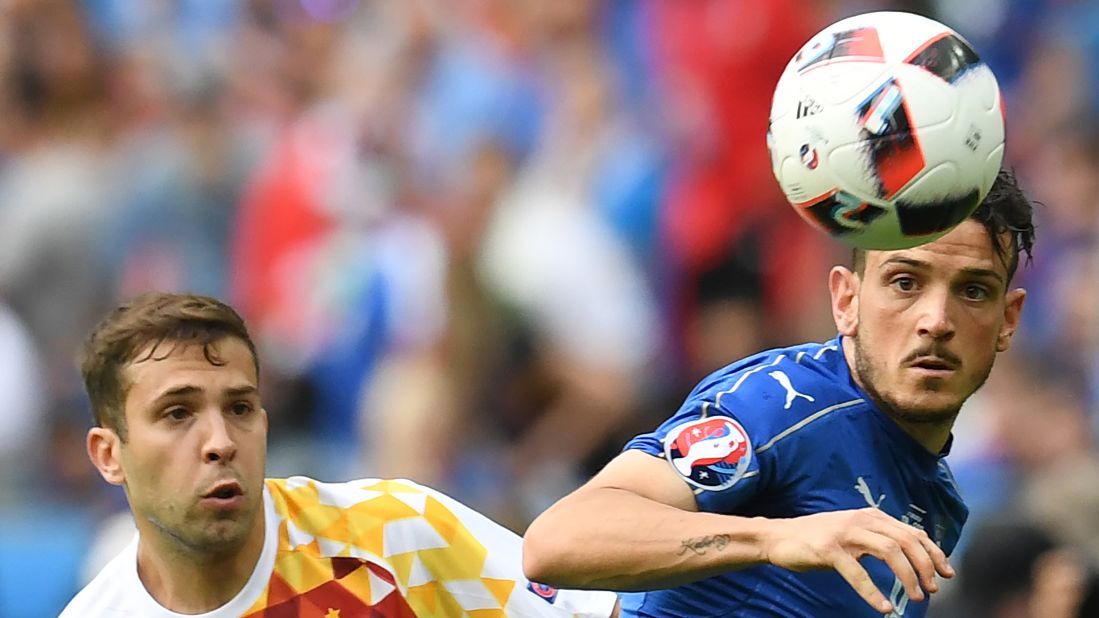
(104, 449)
(1012, 310)
(844, 287)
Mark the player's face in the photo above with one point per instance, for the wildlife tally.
(197, 441)
(927, 322)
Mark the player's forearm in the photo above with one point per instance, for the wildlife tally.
(613, 539)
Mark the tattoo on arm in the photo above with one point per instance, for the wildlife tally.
(701, 544)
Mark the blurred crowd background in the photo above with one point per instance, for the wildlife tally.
(481, 243)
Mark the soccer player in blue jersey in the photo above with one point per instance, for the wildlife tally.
(810, 481)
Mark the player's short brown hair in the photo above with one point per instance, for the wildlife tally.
(152, 318)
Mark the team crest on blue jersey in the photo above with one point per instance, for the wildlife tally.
(711, 453)
(546, 592)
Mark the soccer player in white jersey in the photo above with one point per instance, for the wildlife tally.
(174, 385)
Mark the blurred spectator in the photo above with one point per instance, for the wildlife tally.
(56, 178)
(1029, 418)
(1065, 169)
(172, 227)
(22, 405)
(1064, 499)
(548, 313)
(1013, 569)
(745, 266)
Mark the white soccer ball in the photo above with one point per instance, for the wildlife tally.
(886, 130)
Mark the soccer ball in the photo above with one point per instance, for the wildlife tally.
(886, 130)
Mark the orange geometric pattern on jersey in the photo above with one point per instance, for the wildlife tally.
(340, 597)
(349, 550)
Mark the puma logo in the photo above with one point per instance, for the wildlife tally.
(791, 393)
(864, 491)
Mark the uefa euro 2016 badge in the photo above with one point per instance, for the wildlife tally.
(547, 593)
(711, 453)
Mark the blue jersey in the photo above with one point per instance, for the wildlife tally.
(786, 433)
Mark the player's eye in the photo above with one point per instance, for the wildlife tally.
(241, 408)
(903, 283)
(177, 413)
(975, 292)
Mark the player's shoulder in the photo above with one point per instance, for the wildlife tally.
(306, 501)
(309, 504)
(780, 377)
(304, 487)
(736, 374)
(780, 391)
(110, 594)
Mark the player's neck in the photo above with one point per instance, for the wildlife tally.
(189, 583)
(932, 435)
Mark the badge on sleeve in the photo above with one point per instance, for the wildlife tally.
(547, 593)
(711, 453)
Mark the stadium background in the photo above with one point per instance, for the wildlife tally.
(481, 242)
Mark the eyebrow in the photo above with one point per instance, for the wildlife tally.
(980, 273)
(983, 273)
(179, 391)
(906, 261)
(187, 390)
(241, 391)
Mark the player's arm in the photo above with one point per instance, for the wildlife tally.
(635, 526)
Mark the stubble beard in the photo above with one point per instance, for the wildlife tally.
(868, 379)
(210, 538)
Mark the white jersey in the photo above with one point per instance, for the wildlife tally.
(392, 549)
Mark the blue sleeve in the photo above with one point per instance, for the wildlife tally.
(712, 450)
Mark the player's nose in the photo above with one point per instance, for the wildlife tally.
(935, 318)
(218, 444)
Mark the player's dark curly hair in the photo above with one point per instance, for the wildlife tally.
(136, 330)
(1006, 210)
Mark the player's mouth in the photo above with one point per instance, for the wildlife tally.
(224, 495)
(934, 366)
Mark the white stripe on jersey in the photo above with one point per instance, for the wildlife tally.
(805, 421)
(821, 351)
(778, 359)
(744, 376)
